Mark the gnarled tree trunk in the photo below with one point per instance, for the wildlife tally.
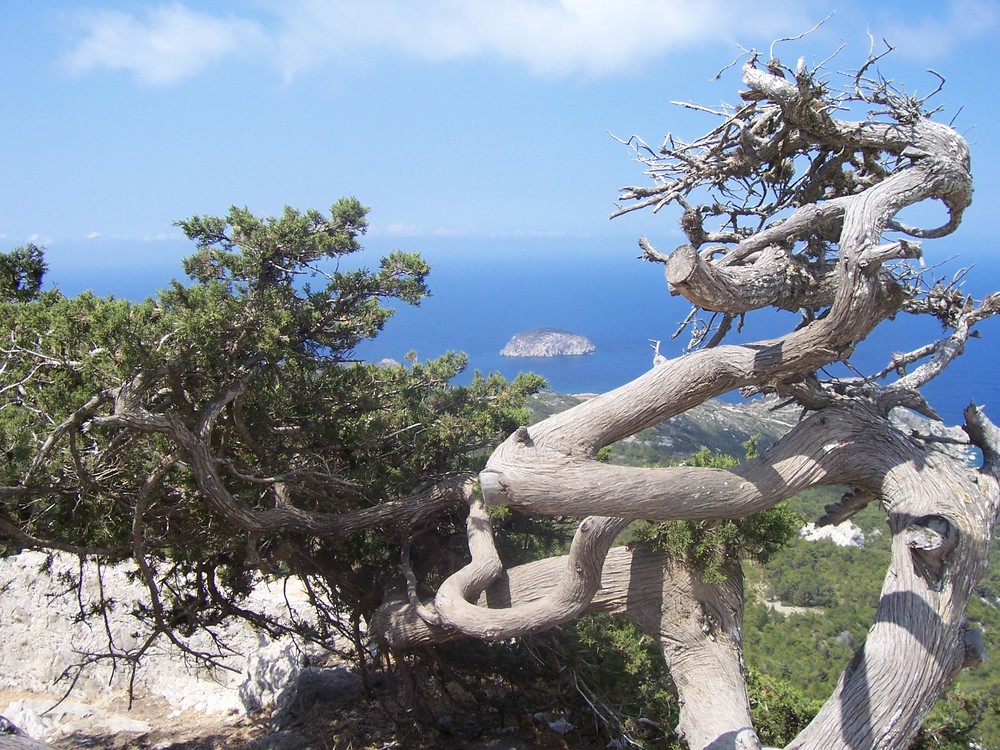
(807, 232)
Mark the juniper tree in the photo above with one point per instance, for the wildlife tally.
(785, 203)
(223, 429)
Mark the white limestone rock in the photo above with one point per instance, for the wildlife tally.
(846, 534)
(43, 636)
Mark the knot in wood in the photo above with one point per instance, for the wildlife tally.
(931, 533)
(931, 538)
(521, 435)
(709, 623)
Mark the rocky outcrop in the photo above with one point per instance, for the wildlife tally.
(20, 742)
(845, 534)
(44, 637)
(547, 342)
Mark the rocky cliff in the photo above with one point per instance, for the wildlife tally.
(547, 342)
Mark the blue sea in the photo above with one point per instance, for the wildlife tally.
(485, 291)
(602, 291)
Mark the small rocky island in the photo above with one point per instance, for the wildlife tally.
(547, 342)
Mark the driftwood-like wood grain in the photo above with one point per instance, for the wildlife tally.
(826, 255)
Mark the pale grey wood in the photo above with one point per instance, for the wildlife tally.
(941, 512)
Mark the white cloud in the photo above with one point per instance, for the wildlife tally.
(549, 37)
(166, 44)
(398, 229)
(945, 28)
(404, 229)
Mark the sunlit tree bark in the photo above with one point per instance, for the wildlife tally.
(784, 204)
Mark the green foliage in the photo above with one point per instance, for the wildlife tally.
(981, 680)
(265, 286)
(779, 711)
(811, 574)
(119, 419)
(958, 722)
(623, 672)
(838, 589)
(21, 273)
(809, 650)
(65, 352)
(598, 673)
(707, 545)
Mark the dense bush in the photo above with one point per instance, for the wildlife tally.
(224, 426)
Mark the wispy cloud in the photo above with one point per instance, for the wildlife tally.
(549, 37)
(166, 43)
(398, 229)
(160, 46)
(944, 28)
(40, 239)
(403, 229)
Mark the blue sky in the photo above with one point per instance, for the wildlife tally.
(468, 123)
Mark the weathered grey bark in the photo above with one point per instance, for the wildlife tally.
(698, 626)
(197, 448)
(775, 279)
(941, 515)
(941, 512)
